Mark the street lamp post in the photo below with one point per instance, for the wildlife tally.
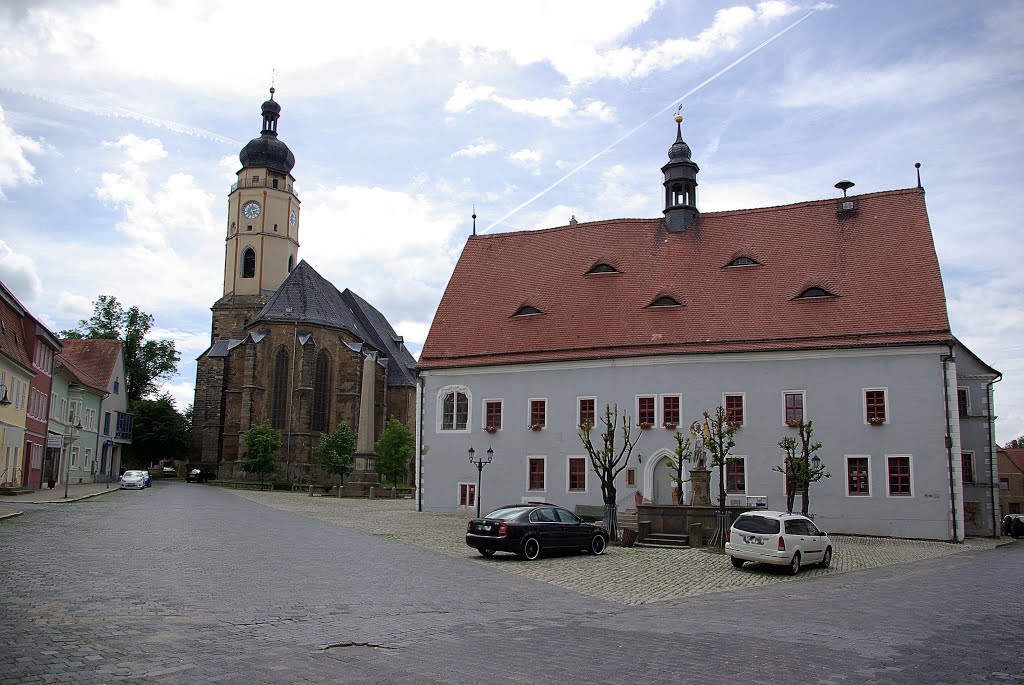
(73, 438)
(479, 463)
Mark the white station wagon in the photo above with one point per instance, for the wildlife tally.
(775, 537)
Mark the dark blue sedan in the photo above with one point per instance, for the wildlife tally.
(526, 529)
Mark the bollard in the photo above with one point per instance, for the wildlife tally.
(371, 492)
(310, 490)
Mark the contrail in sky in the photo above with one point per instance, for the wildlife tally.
(649, 120)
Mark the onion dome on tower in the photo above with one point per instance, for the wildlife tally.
(680, 184)
(267, 151)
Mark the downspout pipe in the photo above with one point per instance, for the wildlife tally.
(993, 454)
(946, 359)
(420, 381)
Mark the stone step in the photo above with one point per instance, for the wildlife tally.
(665, 540)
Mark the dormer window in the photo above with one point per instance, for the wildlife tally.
(602, 268)
(814, 292)
(743, 261)
(527, 310)
(664, 301)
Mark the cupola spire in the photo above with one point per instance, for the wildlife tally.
(680, 183)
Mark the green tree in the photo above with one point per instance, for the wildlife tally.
(608, 459)
(719, 439)
(394, 450)
(145, 361)
(683, 452)
(798, 467)
(334, 453)
(262, 443)
(159, 432)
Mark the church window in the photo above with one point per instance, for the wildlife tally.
(279, 393)
(248, 263)
(291, 263)
(321, 392)
(275, 228)
(275, 182)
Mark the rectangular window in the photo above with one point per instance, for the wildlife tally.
(492, 415)
(538, 414)
(631, 477)
(467, 494)
(734, 408)
(106, 423)
(874, 405)
(793, 403)
(899, 477)
(536, 473)
(1004, 483)
(857, 480)
(586, 408)
(645, 411)
(577, 474)
(967, 466)
(74, 455)
(735, 475)
(963, 401)
(670, 410)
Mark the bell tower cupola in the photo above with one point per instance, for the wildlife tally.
(680, 184)
(262, 241)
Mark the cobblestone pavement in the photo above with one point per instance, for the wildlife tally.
(637, 575)
(195, 584)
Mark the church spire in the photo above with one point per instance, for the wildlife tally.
(680, 184)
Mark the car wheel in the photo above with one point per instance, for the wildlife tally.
(794, 565)
(598, 544)
(826, 560)
(531, 548)
(486, 552)
(736, 561)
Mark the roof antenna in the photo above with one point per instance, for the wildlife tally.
(474, 219)
(917, 165)
(844, 186)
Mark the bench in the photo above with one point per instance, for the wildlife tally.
(590, 512)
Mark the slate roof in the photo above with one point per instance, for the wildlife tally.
(308, 298)
(878, 260)
(95, 357)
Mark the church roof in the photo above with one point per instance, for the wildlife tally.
(874, 272)
(308, 298)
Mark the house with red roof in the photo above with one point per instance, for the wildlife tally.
(1011, 479)
(90, 367)
(830, 310)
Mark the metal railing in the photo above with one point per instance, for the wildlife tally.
(263, 182)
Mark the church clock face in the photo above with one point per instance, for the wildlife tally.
(251, 209)
(293, 218)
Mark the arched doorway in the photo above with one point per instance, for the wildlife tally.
(662, 482)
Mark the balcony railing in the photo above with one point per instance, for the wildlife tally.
(263, 182)
(124, 426)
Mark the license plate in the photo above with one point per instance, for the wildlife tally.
(752, 540)
(485, 526)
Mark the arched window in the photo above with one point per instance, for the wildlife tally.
(815, 292)
(527, 310)
(664, 301)
(454, 409)
(248, 263)
(321, 392)
(279, 391)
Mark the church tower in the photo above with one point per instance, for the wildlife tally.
(680, 184)
(262, 242)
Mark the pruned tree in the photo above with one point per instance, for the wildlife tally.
(799, 465)
(334, 453)
(719, 434)
(394, 450)
(145, 361)
(262, 443)
(608, 459)
(683, 452)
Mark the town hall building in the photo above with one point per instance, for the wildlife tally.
(286, 346)
(831, 311)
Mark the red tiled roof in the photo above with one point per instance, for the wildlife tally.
(95, 357)
(12, 337)
(1016, 456)
(879, 260)
(79, 373)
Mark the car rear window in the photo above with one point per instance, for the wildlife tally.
(506, 513)
(756, 524)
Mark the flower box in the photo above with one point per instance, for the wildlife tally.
(491, 429)
(876, 421)
(645, 426)
(734, 424)
(793, 423)
(535, 426)
(671, 426)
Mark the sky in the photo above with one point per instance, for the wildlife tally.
(121, 123)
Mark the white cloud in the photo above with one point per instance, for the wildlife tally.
(18, 272)
(14, 165)
(556, 110)
(183, 392)
(477, 149)
(527, 158)
(74, 306)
